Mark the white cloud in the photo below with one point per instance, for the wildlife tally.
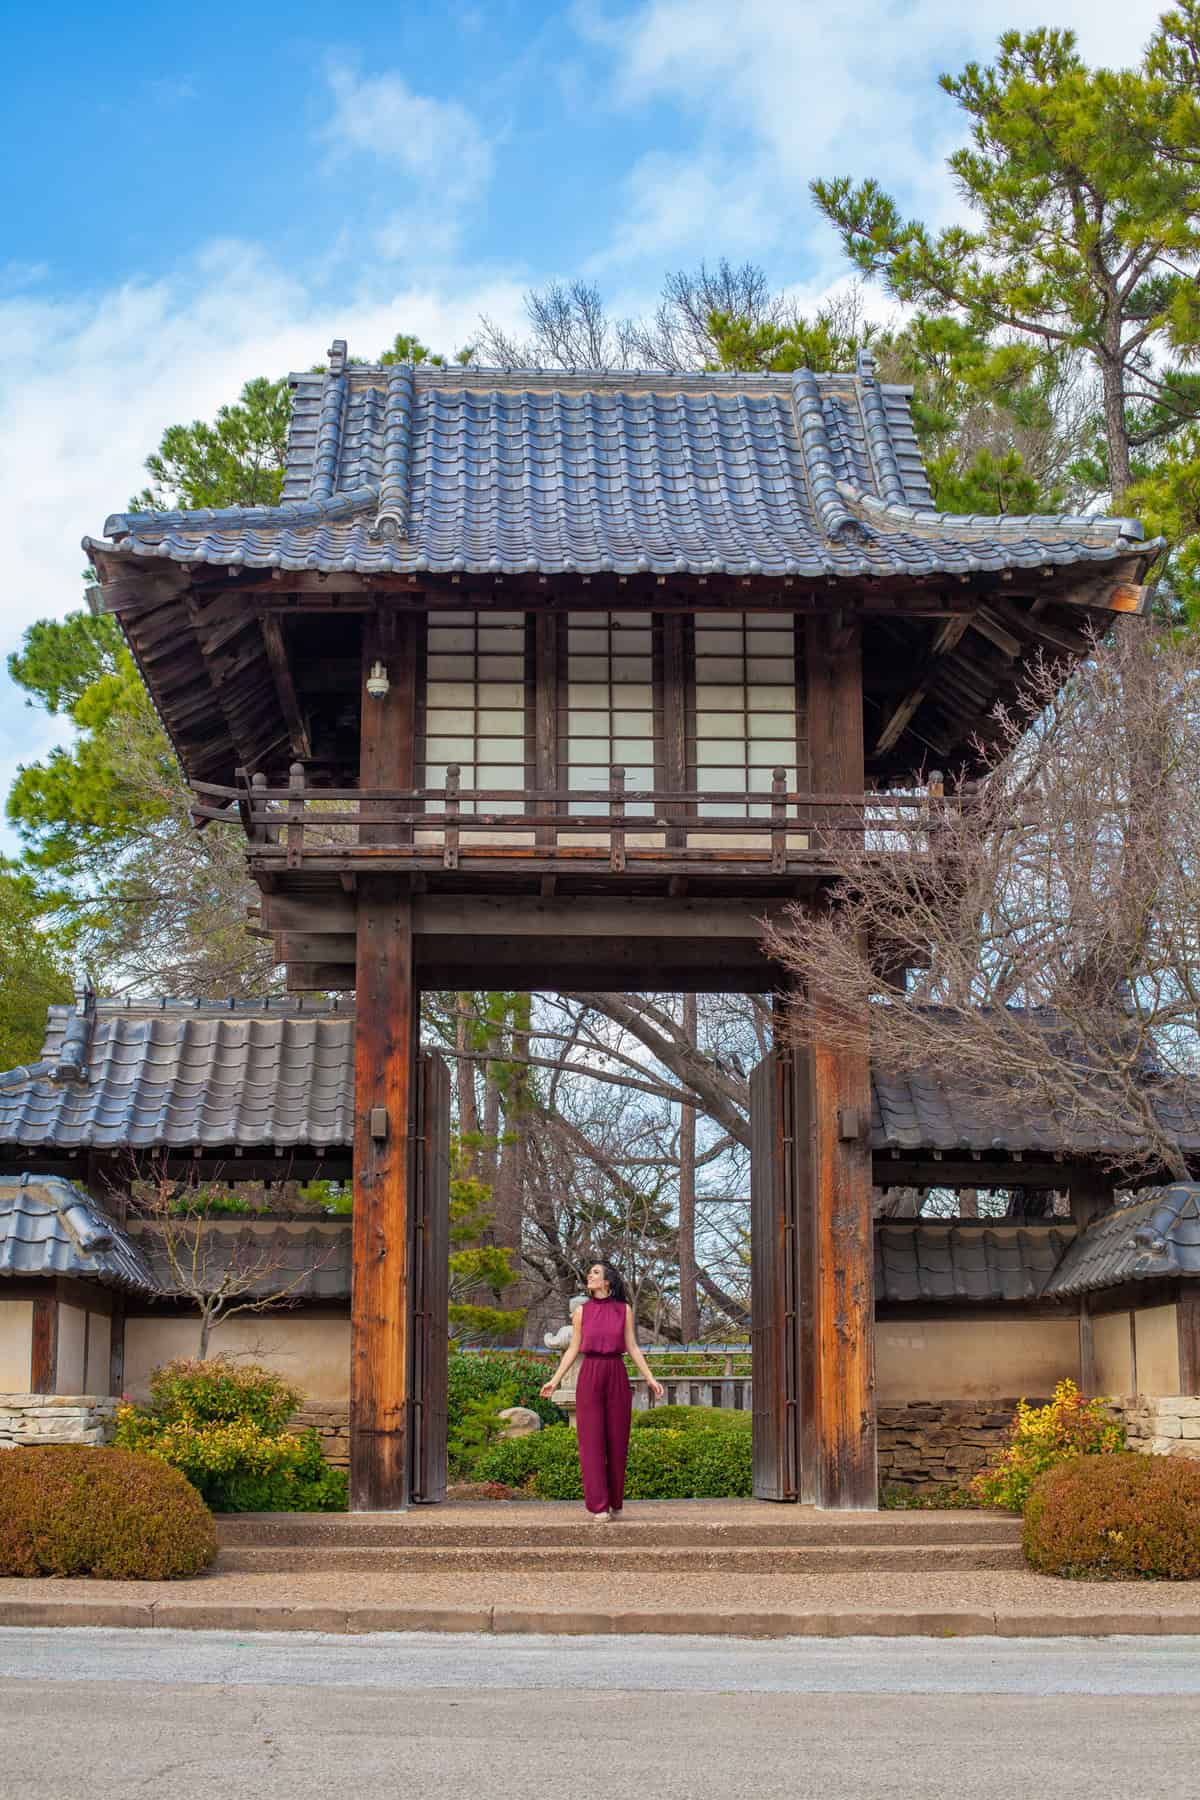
(88, 386)
(437, 147)
(779, 92)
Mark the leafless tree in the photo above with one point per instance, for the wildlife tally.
(221, 1271)
(1048, 918)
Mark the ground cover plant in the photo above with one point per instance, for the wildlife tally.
(1116, 1518)
(696, 1453)
(224, 1426)
(1043, 1437)
(117, 1515)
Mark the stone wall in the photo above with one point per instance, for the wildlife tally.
(935, 1443)
(331, 1423)
(1161, 1425)
(56, 1419)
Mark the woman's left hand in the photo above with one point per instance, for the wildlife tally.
(656, 1388)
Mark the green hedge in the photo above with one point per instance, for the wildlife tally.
(703, 1456)
(493, 1372)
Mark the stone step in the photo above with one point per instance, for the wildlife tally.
(601, 1553)
(518, 1528)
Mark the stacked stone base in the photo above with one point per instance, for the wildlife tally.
(941, 1443)
(55, 1419)
(1162, 1425)
(331, 1422)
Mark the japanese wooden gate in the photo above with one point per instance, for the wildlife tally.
(810, 1273)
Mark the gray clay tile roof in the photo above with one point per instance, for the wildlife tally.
(279, 1073)
(300, 1261)
(1159, 1237)
(484, 471)
(50, 1227)
(922, 1111)
(183, 1074)
(966, 1261)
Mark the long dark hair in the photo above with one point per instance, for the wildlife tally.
(616, 1286)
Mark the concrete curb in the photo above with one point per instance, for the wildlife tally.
(201, 1615)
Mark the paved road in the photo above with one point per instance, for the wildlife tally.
(89, 1714)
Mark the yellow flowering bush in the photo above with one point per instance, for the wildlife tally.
(224, 1427)
(1042, 1437)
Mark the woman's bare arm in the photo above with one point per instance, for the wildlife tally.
(568, 1355)
(634, 1350)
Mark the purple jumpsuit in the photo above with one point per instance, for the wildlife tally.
(603, 1406)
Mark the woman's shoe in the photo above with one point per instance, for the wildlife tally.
(615, 1513)
(601, 1518)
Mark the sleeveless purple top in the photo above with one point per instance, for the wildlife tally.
(603, 1327)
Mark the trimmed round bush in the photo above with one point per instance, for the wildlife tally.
(1116, 1518)
(681, 1418)
(488, 1373)
(71, 1509)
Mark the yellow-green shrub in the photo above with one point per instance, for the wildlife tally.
(1116, 1518)
(1042, 1437)
(71, 1509)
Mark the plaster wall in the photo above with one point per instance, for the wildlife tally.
(1157, 1350)
(972, 1359)
(72, 1338)
(99, 1351)
(16, 1346)
(1113, 1353)
(310, 1352)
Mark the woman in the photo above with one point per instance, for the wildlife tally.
(602, 1330)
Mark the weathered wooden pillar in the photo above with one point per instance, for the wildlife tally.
(1091, 1190)
(43, 1356)
(837, 1262)
(387, 1022)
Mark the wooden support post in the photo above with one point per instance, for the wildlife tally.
(1187, 1322)
(1087, 1348)
(837, 1304)
(116, 1347)
(1091, 1192)
(43, 1361)
(385, 1065)
(387, 1025)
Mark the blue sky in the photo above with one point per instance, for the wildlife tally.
(192, 196)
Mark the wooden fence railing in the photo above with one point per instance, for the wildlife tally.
(443, 824)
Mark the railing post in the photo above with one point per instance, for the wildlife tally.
(262, 832)
(451, 804)
(936, 791)
(778, 821)
(295, 813)
(616, 803)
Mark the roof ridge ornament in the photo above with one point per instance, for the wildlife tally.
(329, 425)
(880, 449)
(391, 520)
(837, 521)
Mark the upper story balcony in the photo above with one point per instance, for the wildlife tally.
(456, 836)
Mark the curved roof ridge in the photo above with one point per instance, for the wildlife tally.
(896, 512)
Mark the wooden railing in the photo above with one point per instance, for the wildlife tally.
(775, 829)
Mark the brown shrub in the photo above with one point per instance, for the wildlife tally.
(69, 1509)
(1116, 1518)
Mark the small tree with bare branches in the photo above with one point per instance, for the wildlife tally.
(192, 1249)
(1046, 919)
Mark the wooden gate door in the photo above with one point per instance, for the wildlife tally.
(429, 1251)
(775, 1278)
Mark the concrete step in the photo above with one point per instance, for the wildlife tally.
(521, 1526)
(601, 1553)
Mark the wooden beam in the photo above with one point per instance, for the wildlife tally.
(385, 1064)
(281, 668)
(116, 1346)
(388, 724)
(1092, 1191)
(901, 716)
(43, 1361)
(1087, 1349)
